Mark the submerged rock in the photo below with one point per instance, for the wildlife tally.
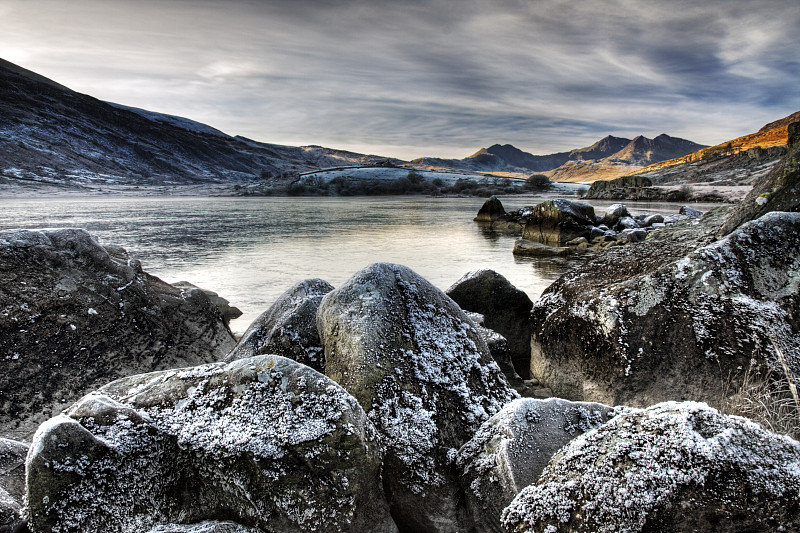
(679, 467)
(75, 315)
(505, 309)
(511, 449)
(654, 324)
(419, 367)
(288, 327)
(264, 441)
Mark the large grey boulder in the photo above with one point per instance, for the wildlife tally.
(288, 327)
(12, 483)
(659, 324)
(511, 449)
(505, 309)
(678, 467)
(206, 526)
(76, 315)
(266, 442)
(419, 367)
(556, 222)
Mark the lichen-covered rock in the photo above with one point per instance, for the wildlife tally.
(511, 449)
(206, 526)
(75, 315)
(418, 366)
(505, 309)
(12, 483)
(288, 327)
(265, 441)
(678, 467)
(653, 325)
(556, 222)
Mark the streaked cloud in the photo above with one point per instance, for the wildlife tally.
(425, 77)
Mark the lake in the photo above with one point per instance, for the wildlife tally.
(250, 250)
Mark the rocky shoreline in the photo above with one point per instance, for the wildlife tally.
(384, 405)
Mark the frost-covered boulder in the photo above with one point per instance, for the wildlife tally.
(266, 442)
(657, 323)
(418, 366)
(511, 449)
(288, 327)
(678, 467)
(556, 222)
(498, 348)
(76, 315)
(206, 526)
(614, 213)
(12, 483)
(505, 309)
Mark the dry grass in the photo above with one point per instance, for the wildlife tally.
(771, 399)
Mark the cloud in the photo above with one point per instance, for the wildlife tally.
(431, 77)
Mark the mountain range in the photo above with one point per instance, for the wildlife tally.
(615, 154)
(50, 134)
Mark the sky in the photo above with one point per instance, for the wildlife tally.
(425, 77)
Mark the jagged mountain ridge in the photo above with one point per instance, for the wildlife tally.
(621, 153)
(51, 134)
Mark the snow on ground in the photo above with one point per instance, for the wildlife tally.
(393, 173)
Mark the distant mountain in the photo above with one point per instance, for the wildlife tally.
(607, 158)
(50, 134)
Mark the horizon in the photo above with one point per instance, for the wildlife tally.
(424, 78)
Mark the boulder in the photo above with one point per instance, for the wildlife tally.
(76, 315)
(266, 441)
(420, 369)
(678, 467)
(779, 190)
(614, 213)
(491, 210)
(206, 526)
(498, 348)
(505, 308)
(690, 211)
(649, 220)
(225, 308)
(667, 320)
(556, 222)
(288, 327)
(526, 248)
(511, 449)
(620, 188)
(12, 483)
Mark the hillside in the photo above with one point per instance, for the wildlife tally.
(51, 135)
(740, 161)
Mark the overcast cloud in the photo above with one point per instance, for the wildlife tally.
(425, 77)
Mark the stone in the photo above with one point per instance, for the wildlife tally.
(505, 309)
(620, 188)
(614, 213)
(633, 235)
(227, 311)
(678, 467)
(76, 315)
(578, 241)
(491, 210)
(206, 526)
(556, 222)
(690, 211)
(266, 441)
(420, 369)
(649, 220)
(498, 348)
(12, 484)
(671, 318)
(511, 449)
(626, 223)
(528, 248)
(288, 327)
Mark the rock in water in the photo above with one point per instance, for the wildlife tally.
(288, 327)
(491, 210)
(678, 467)
(556, 222)
(76, 315)
(505, 309)
(12, 483)
(266, 442)
(421, 370)
(679, 328)
(511, 449)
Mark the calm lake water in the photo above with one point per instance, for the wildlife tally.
(250, 250)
